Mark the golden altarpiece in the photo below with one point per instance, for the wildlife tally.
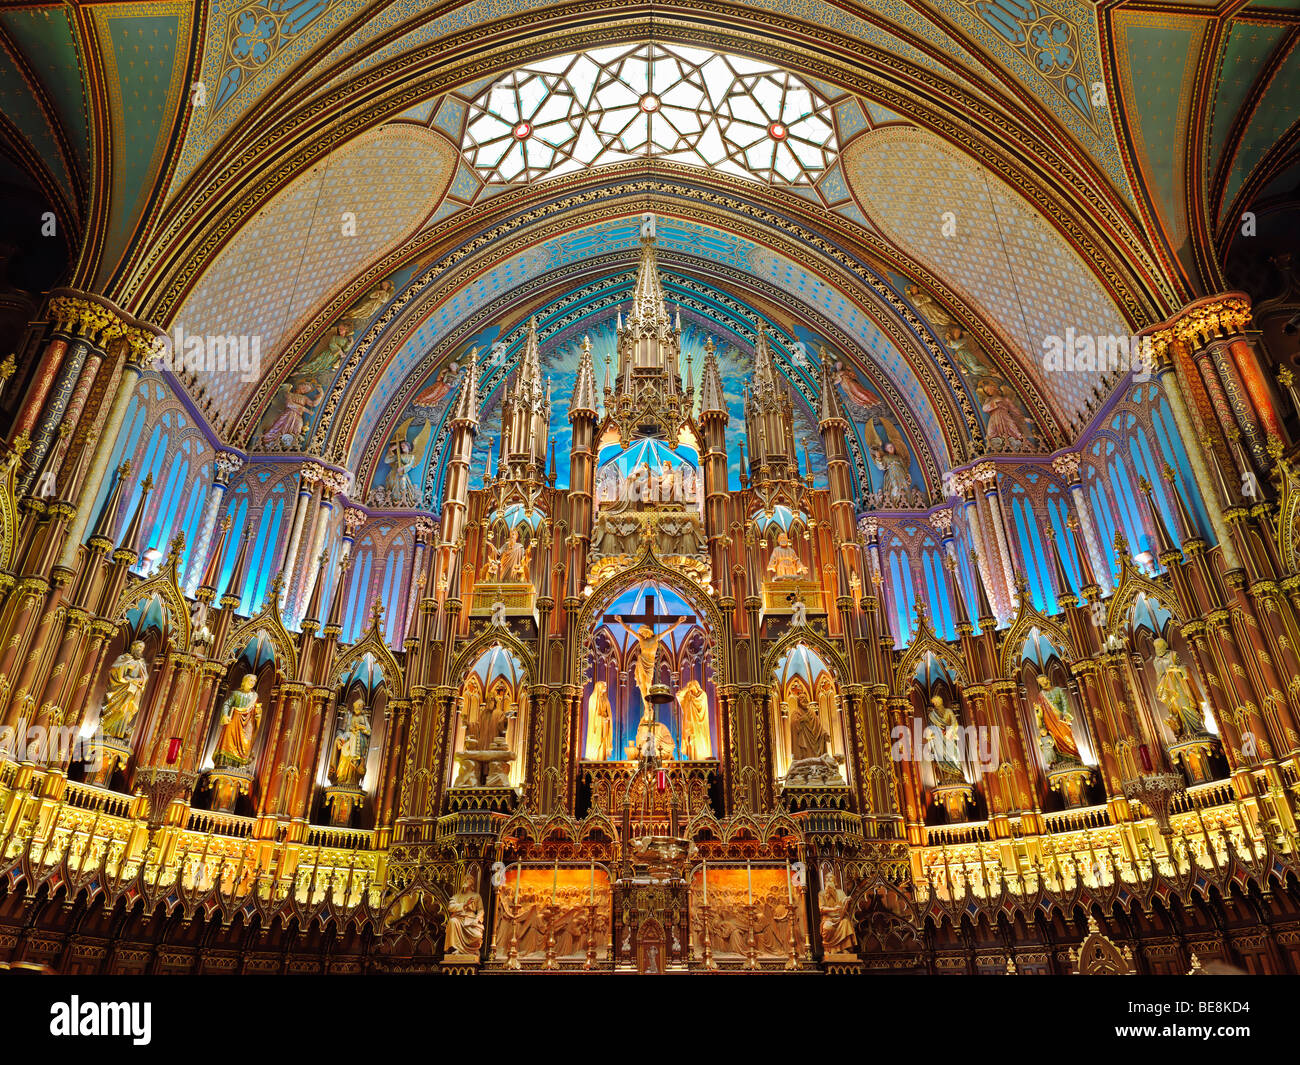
(646, 723)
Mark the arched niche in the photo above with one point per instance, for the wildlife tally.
(807, 712)
(260, 659)
(781, 530)
(1174, 709)
(649, 470)
(650, 643)
(1054, 723)
(503, 529)
(350, 760)
(124, 679)
(492, 712)
(952, 751)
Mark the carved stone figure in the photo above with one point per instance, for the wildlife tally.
(1055, 724)
(810, 759)
(1174, 690)
(784, 563)
(600, 741)
(838, 936)
(465, 919)
(350, 748)
(126, 680)
(694, 702)
(241, 714)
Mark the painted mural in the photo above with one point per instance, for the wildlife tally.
(1007, 423)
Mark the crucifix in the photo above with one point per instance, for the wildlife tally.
(648, 642)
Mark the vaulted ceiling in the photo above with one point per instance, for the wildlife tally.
(949, 183)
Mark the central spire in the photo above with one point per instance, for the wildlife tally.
(649, 396)
(649, 312)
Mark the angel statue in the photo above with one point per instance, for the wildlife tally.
(325, 361)
(405, 457)
(892, 458)
(299, 400)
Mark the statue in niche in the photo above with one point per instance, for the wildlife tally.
(127, 677)
(810, 759)
(784, 563)
(1055, 725)
(808, 738)
(465, 919)
(490, 721)
(241, 714)
(945, 742)
(351, 746)
(694, 703)
(647, 653)
(838, 936)
(1174, 690)
(600, 724)
(485, 755)
(511, 562)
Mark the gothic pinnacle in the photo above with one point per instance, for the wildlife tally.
(467, 402)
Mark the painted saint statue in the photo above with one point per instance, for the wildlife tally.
(126, 680)
(241, 713)
(1174, 690)
(350, 748)
(945, 742)
(696, 744)
(1055, 725)
(600, 728)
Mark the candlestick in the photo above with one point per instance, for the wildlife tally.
(593, 880)
(519, 875)
(789, 884)
(555, 881)
(749, 882)
(706, 881)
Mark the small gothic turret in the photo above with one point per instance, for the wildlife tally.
(526, 416)
(769, 419)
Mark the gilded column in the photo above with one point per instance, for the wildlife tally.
(141, 345)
